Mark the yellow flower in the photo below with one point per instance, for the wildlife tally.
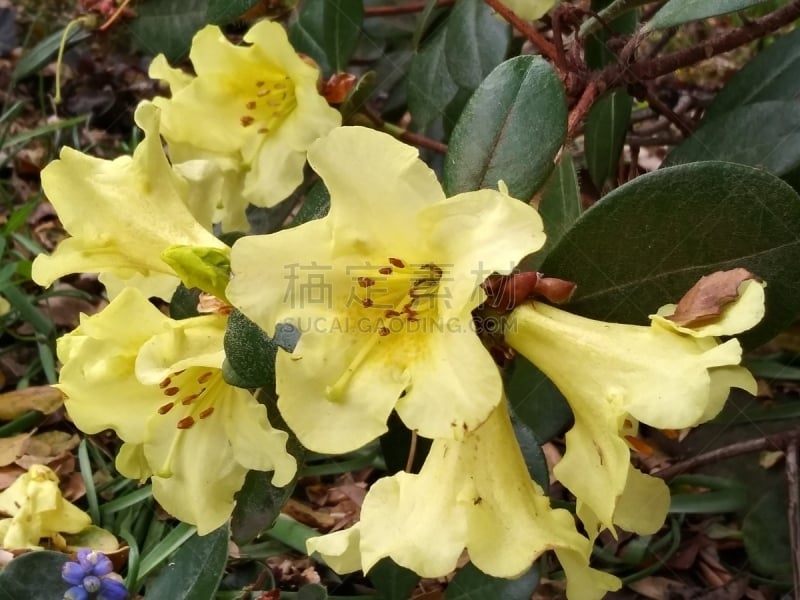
(158, 383)
(664, 375)
(122, 215)
(38, 510)
(254, 106)
(474, 494)
(382, 291)
(530, 9)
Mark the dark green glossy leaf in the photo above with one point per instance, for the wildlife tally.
(719, 495)
(647, 242)
(196, 569)
(316, 205)
(772, 75)
(475, 43)
(471, 584)
(342, 26)
(183, 303)
(250, 352)
(34, 576)
(536, 401)
(559, 208)
(764, 135)
(357, 97)
(430, 86)
(765, 532)
(45, 50)
(307, 33)
(598, 54)
(532, 453)
(676, 12)
(221, 12)
(391, 581)
(167, 26)
(604, 135)
(522, 100)
(312, 591)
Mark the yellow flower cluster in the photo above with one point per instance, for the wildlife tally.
(382, 292)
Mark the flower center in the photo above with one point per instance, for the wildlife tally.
(268, 103)
(192, 393)
(392, 297)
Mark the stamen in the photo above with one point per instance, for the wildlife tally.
(250, 105)
(366, 282)
(205, 377)
(396, 262)
(259, 84)
(384, 331)
(206, 413)
(391, 313)
(165, 383)
(246, 120)
(385, 270)
(262, 93)
(189, 399)
(171, 391)
(185, 423)
(166, 408)
(263, 130)
(367, 302)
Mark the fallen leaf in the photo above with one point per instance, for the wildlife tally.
(709, 296)
(11, 448)
(43, 398)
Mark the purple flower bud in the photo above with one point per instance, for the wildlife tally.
(73, 573)
(111, 589)
(92, 576)
(76, 593)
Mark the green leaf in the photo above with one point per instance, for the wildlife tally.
(598, 54)
(312, 591)
(222, 12)
(559, 208)
(167, 26)
(184, 301)
(316, 204)
(772, 75)
(764, 135)
(720, 495)
(34, 576)
(307, 33)
(533, 454)
(536, 401)
(471, 584)
(647, 242)
(430, 87)
(391, 581)
(250, 352)
(342, 26)
(475, 43)
(676, 12)
(522, 100)
(604, 136)
(765, 532)
(45, 50)
(195, 571)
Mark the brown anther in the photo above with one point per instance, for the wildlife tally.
(250, 105)
(206, 413)
(391, 313)
(176, 373)
(246, 120)
(367, 302)
(189, 399)
(262, 93)
(205, 377)
(279, 86)
(165, 383)
(366, 282)
(396, 262)
(273, 102)
(263, 130)
(162, 410)
(412, 318)
(383, 331)
(259, 84)
(385, 270)
(185, 423)
(171, 391)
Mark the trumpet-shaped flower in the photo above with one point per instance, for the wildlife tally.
(475, 494)
(38, 510)
(382, 291)
(122, 214)
(158, 383)
(664, 375)
(258, 105)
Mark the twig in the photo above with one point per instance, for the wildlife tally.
(535, 38)
(114, 16)
(775, 441)
(412, 451)
(657, 105)
(609, 13)
(794, 511)
(402, 9)
(579, 111)
(409, 137)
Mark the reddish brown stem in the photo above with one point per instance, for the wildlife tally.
(402, 9)
(792, 477)
(536, 38)
(423, 142)
(576, 115)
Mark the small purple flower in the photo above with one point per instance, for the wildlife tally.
(92, 576)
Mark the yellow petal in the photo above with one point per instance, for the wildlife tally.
(530, 9)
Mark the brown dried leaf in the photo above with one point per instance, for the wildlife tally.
(709, 296)
(43, 398)
(11, 448)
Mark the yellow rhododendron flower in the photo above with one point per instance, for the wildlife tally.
(158, 383)
(382, 291)
(664, 375)
(256, 107)
(38, 510)
(122, 214)
(530, 9)
(475, 494)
